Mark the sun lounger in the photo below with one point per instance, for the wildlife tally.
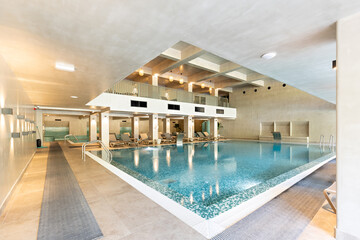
(168, 138)
(113, 142)
(145, 139)
(127, 140)
(327, 192)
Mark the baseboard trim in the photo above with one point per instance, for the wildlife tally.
(5, 201)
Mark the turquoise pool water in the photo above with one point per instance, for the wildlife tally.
(209, 178)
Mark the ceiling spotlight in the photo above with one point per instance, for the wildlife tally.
(141, 72)
(171, 78)
(202, 85)
(74, 96)
(181, 81)
(334, 64)
(268, 55)
(65, 67)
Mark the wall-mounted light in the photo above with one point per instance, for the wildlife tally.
(202, 85)
(334, 64)
(15, 135)
(141, 72)
(210, 89)
(171, 78)
(7, 111)
(181, 81)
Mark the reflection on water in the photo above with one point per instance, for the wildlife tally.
(204, 172)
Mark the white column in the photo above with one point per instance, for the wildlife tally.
(348, 128)
(155, 78)
(39, 125)
(92, 128)
(188, 127)
(214, 92)
(188, 87)
(135, 127)
(153, 126)
(166, 125)
(214, 127)
(104, 126)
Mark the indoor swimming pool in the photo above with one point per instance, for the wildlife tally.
(212, 177)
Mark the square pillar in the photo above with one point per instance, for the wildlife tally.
(214, 92)
(39, 125)
(166, 125)
(153, 126)
(135, 127)
(104, 128)
(188, 86)
(348, 128)
(155, 80)
(188, 127)
(92, 127)
(214, 127)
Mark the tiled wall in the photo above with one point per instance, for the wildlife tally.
(15, 153)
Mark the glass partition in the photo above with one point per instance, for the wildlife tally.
(146, 90)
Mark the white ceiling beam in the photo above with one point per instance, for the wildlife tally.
(205, 65)
(227, 69)
(237, 75)
(172, 54)
(188, 54)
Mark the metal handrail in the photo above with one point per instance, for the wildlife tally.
(322, 140)
(331, 141)
(83, 149)
(69, 136)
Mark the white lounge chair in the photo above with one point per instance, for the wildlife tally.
(145, 139)
(113, 142)
(327, 192)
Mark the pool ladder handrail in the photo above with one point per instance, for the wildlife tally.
(331, 142)
(322, 140)
(69, 135)
(83, 149)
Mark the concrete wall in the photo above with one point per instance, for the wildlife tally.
(348, 128)
(281, 104)
(15, 153)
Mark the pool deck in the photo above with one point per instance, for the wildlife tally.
(121, 211)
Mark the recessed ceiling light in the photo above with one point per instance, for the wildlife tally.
(74, 96)
(65, 66)
(268, 55)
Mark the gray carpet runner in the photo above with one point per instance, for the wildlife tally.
(286, 216)
(65, 214)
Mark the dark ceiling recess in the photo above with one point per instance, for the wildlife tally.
(269, 87)
(255, 90)
(244, 92)
(284, 85)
